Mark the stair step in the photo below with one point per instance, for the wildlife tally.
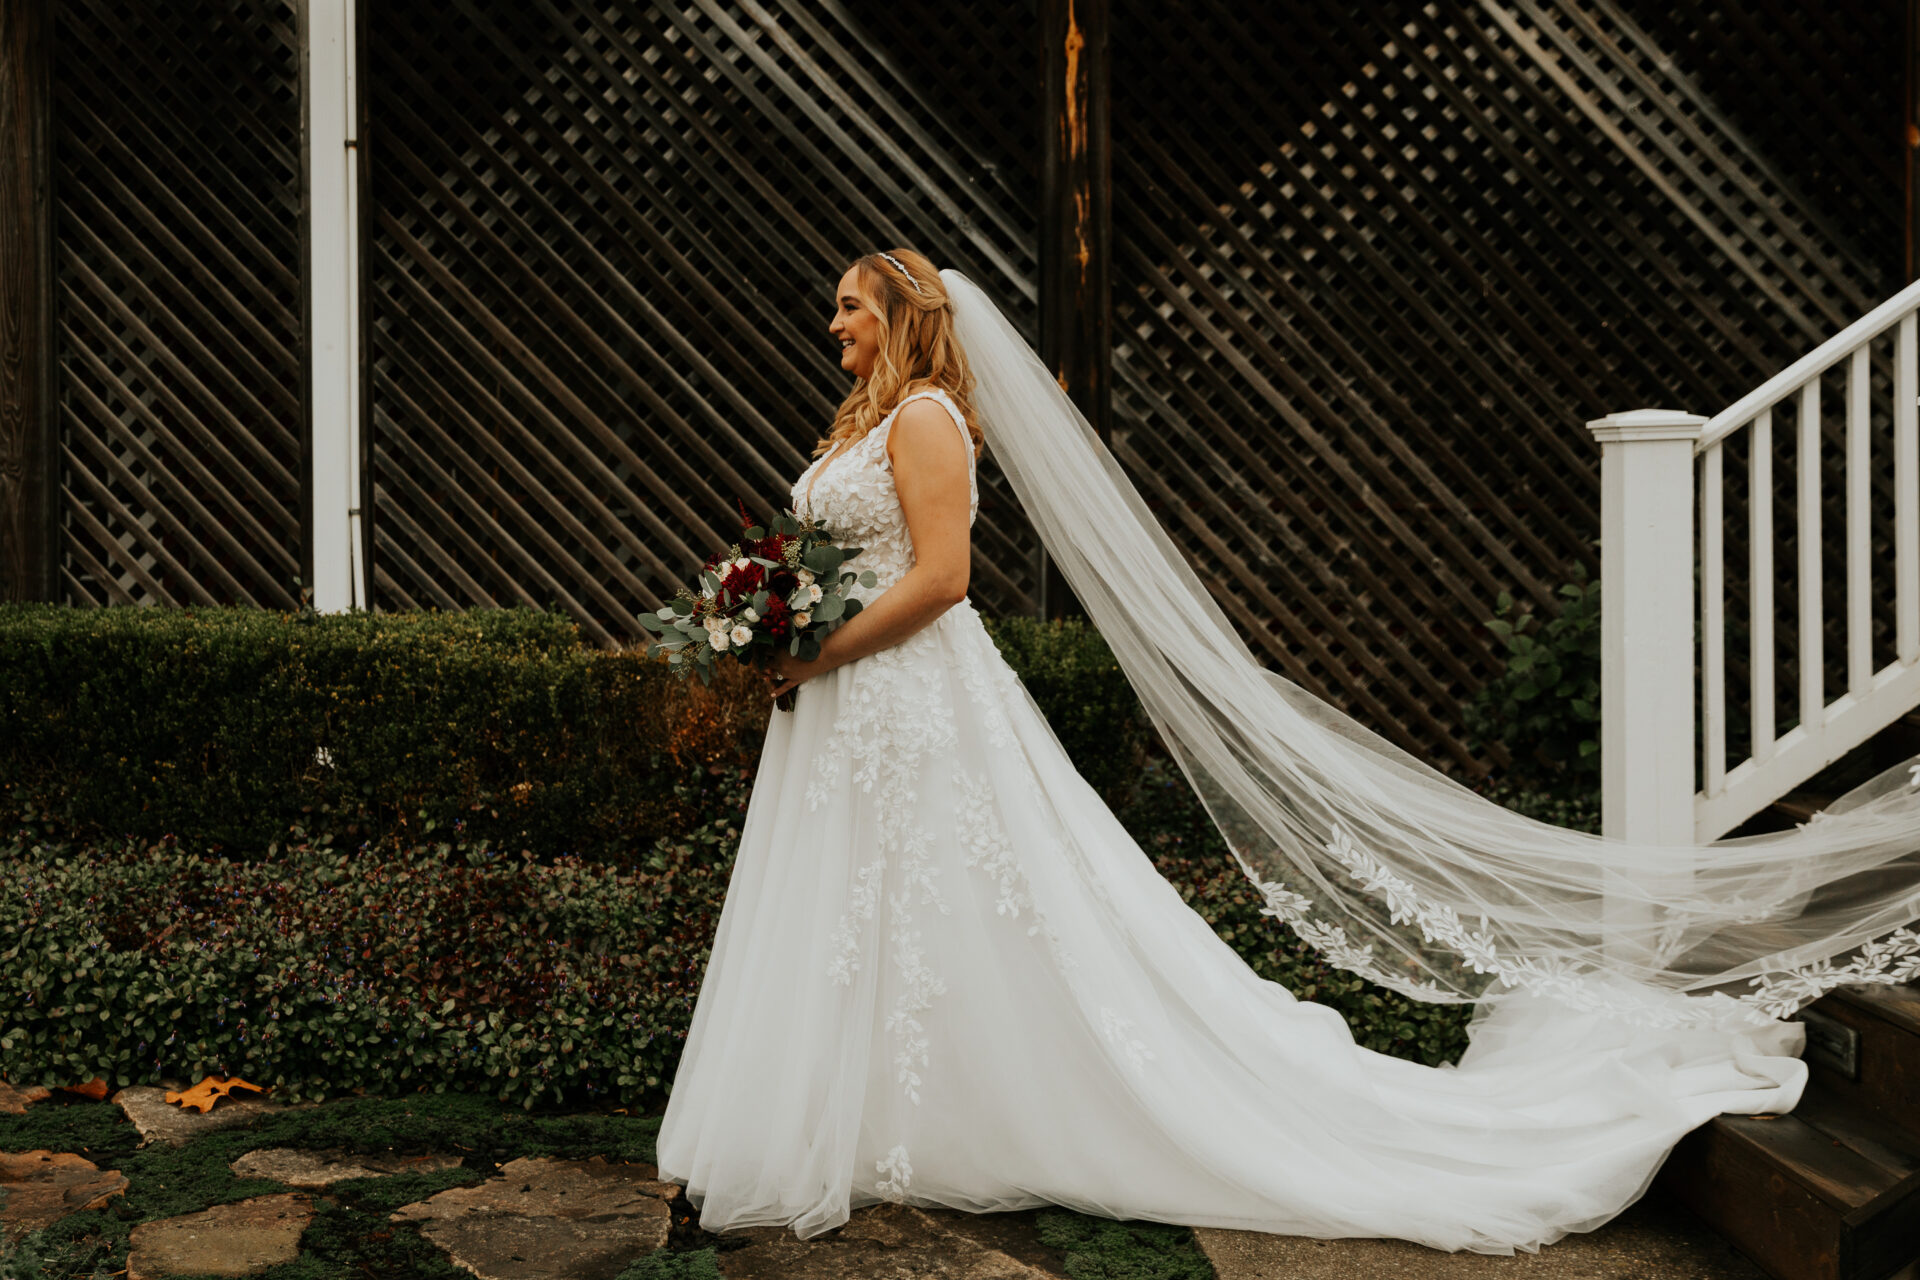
(1899, 1005)
(1878, 1027)
(1825, 1193)
(1798, 806)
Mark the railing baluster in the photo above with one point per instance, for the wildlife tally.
(1642, 504)
(1859, 617)
(1813, 675)
(1713, 633)
(1760, 656)
(1906, 489)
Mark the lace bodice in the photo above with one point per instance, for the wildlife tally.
(853, 494)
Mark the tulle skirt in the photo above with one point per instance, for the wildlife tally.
(946, 975)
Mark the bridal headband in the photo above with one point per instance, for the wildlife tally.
(903, 271)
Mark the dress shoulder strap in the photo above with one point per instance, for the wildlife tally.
(959, 420)
(946, 401)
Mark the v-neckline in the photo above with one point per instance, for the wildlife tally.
(814, 479)
(834, 452)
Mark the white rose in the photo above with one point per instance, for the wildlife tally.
(740, 635)
(715, 623)
(718, 639)
(741, 563)
(802, 618)
(805, 576)
(813, 594)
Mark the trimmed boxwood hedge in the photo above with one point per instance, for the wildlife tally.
(508, 880)
(224, 726)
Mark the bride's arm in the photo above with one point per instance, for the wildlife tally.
(930, 472)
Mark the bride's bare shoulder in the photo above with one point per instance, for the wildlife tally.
(923, 429)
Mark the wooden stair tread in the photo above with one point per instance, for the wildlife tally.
(1801, 805)
(1860, 1132)
(1827, 1167)
(1899, 1005)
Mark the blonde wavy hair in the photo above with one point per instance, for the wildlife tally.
(918, 349)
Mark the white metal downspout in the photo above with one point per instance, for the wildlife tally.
(333, 318)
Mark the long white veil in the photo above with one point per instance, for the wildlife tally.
(1388, 867)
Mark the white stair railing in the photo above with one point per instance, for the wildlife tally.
(1653, 464)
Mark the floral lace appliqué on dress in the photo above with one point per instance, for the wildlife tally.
(895, 722)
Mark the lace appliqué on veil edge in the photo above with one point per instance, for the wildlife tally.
(1889, 960)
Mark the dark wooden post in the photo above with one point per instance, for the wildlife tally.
(27, 426)
(1910, 132)
(1076, 226)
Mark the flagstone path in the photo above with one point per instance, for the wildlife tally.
(541, 1217)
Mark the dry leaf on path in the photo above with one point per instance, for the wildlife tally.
(210, 1091)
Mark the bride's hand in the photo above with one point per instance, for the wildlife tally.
(788, 672)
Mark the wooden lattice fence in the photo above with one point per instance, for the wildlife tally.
(1373, 265)
(177, 181)
(1366, 298)
(606, 241)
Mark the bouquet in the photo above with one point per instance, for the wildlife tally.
(782, 585)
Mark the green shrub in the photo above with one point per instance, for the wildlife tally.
(392, 931)
(450, 964)
(1171, 824)
(1078, 684)
(1544, 708)
(226, 726)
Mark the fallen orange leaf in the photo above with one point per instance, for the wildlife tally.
(95, 1088)
(210, 1091)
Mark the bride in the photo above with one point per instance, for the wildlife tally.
(945, 974)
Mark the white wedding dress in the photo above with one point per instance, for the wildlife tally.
(945, 974)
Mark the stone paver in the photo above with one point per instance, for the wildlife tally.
(317, 1170)
(161, 1121)
(237, 1239)
(1650, 1241)
(897, 1242)
(43, 1187)
(15, 1098)
(549, 1219)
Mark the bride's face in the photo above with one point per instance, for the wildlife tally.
(856, 326)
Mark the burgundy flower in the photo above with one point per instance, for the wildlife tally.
(742, 581)
(777, 619)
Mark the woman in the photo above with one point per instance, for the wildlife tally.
(945, 974)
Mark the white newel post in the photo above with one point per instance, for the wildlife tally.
(333, 319)
(1647, 624)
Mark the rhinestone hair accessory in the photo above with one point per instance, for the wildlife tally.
(903, 271)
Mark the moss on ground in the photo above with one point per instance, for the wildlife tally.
(1102, 1249)
(350, 1235)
